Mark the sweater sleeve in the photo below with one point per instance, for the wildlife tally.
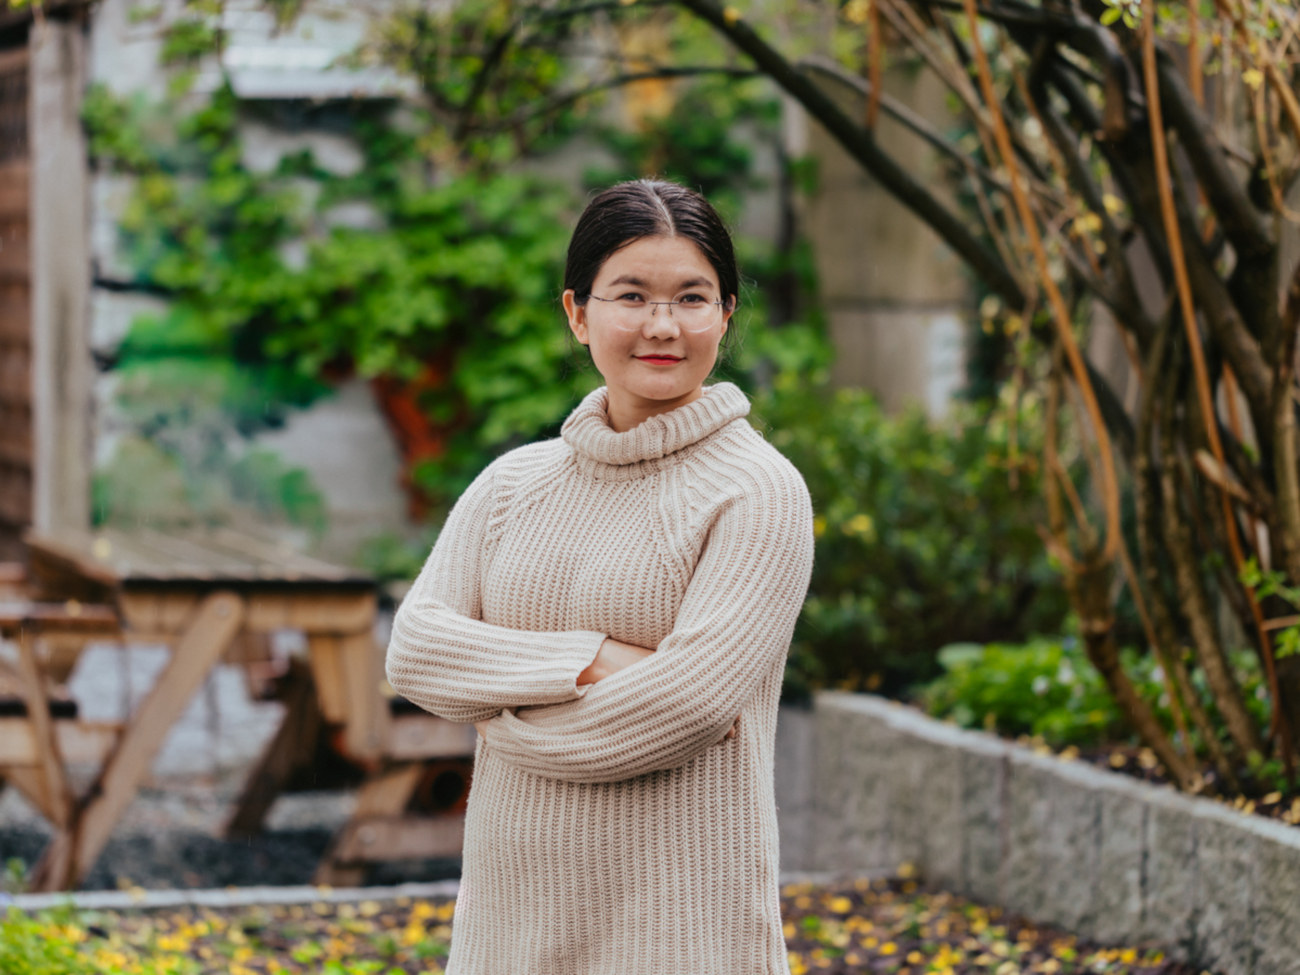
(444, 658)
(733, 627)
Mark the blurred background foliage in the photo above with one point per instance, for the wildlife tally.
(446, 293)
(926, 532)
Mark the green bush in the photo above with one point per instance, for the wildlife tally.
(1047, 688)
(926, 534)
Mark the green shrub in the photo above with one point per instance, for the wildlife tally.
(1046, 687)
(926, 534)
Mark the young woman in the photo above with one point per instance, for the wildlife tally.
(612, 609)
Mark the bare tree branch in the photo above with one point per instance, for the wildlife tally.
(862, 147)
(911, 121)
(1223, 191)
(553, 105)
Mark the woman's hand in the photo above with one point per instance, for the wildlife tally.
(613, 656)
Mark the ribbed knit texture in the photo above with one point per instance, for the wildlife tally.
(612, 829)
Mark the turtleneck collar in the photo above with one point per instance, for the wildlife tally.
(588, 432)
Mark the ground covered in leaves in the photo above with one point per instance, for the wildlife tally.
(883, 926)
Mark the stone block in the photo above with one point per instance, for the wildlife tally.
(1168, 903)
(109, 195)
(942, 839)
(1224, 891)
(265, 145)
(1121, 851)
(359, 476)
(835, 800)
(926, 825)
(1277, 904)
(984, 781)
(857, 785)
(1066, 813)
(1020, 880)
(112, 313)
(867, 244)
(125, 52)
(793, 785)
(905, 356)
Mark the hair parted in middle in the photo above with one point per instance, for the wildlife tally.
(631, 211)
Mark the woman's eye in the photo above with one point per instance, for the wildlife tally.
(630, 298)
(693, 300)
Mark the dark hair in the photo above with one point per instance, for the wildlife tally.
(627, 212)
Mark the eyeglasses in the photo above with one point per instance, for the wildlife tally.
(692, 312)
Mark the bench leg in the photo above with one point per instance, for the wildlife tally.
(385, 794)
(49, 784)
(292, 747)
(72, 852)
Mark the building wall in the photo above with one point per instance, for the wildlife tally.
(341, 441)
(897, 300)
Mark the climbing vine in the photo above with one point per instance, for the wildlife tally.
(438, 283)
(445, 291)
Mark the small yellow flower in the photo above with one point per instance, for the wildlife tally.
(860, 524)
(856, 11)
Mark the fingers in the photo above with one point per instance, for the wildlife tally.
(735, 730)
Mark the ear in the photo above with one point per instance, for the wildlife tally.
(577, 315)
(731, 310)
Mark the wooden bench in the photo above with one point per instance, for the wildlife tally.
(218, 596)
(41, 733)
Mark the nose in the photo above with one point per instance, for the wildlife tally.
(658, 325)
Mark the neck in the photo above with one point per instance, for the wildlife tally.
(627, 410)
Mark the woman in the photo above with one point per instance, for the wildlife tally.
(612, 609)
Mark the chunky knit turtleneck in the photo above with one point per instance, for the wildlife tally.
(613, 829)
(588, 432)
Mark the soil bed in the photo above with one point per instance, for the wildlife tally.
(881, 926)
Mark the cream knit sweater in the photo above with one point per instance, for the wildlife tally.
(612, 829)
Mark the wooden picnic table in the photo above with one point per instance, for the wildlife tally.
(218, 595)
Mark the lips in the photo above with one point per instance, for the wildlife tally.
(660, 360)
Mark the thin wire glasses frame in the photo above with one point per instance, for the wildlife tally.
(692, 313)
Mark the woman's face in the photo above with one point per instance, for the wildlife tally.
(650, 363)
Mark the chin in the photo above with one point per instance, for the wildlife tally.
(663, 392)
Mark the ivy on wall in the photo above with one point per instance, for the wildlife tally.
(272, 295)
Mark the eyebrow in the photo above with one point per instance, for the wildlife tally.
(637, 282)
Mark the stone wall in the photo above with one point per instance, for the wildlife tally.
(1062, 843)
(897, 300)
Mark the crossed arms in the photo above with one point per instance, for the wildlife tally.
(577, 706)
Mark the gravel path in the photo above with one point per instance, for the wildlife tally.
(171, 838)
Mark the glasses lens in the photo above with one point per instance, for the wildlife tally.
(692, 313)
